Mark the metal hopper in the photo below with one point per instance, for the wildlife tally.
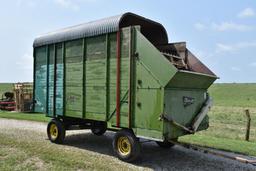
(184, 79)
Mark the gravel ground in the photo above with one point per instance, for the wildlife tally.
(153, 157)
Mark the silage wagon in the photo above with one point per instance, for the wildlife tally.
(120, 74)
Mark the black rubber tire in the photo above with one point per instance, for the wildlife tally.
(99, 128)
(134, 144)
(61, 131)
(165, 144)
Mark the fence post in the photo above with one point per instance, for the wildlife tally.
(247, 135)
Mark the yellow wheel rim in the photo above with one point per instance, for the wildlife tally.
(54, 131)
(124, 146)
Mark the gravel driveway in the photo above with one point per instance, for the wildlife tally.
(153, 157)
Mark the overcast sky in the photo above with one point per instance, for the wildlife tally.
(221, 33)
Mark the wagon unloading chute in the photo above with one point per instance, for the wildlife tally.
(184, 80)
(194, 74)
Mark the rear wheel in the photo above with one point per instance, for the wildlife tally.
(99, 128)
(126, 145)
(56, 131)
(165, 144)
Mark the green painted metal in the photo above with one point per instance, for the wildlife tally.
(50, 72)
(195, 80)
(180, 113)
(125, 74)
(162, 93)
(59, 80)
(47, 79)
(74, 77)
(107, 49)
(96, 90)
(112, 77)
(150, 85)
(150, 80)
(40, 79)
(149, 56)
(84, 78)
(64, 77)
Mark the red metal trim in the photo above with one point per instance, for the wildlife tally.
(118, 70)
(10, 107)
(7, 102)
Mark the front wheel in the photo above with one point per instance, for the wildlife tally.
(126, 146)
(56, 131)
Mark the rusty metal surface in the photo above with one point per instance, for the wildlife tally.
(192, 62)
(197, 66)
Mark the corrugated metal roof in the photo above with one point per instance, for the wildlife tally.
(107, 25)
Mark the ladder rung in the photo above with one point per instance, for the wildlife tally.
(172, 56)
(180, 63)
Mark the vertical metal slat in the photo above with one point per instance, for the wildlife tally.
(107, 76)
(84, 78)
(64, 77)
(47, 79)
(118, 74)
(130, 78)
(54, 80)
(34, 78)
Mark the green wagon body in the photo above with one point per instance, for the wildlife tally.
(113, 70)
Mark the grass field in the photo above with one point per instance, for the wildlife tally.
(234, 95)
(227, 119)
(4, 87)
(24, 116)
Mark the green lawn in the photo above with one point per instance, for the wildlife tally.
(227, 131)
(234, 95)
(227, 119)
(238, 146)
(24, 116)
